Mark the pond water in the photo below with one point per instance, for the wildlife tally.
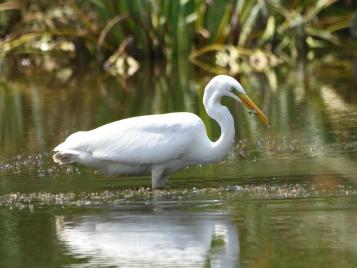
(285, 196)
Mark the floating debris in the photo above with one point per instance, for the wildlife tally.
(194, 194)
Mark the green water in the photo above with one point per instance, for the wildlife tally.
(284, 196)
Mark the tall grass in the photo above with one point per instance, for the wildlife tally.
(118, 33)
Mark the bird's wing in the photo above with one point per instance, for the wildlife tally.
(140, 140)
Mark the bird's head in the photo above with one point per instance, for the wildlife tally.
(225, 85)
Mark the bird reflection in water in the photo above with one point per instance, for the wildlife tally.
(154, 240)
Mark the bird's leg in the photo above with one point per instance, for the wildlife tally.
(158, 178)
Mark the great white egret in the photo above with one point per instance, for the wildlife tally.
(159, 144)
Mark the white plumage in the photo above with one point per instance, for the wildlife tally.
(158, 144)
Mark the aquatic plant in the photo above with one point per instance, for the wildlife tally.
(236, 35)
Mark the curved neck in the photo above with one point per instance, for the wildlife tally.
(218, 149)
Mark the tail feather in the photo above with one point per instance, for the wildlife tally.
(65, 157)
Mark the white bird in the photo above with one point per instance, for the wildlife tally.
(159, 144)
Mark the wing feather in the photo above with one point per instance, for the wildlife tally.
(139, 140)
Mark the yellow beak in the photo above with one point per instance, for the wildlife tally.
(251, 106)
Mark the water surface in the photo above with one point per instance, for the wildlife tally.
(284, 196)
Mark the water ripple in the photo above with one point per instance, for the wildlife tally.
(147, 196)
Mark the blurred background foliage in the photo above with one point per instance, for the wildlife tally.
(232, 36)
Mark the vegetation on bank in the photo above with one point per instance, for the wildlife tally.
(234, 35)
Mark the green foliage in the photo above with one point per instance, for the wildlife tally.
(157, 29)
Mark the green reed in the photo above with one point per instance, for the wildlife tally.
(118, 33)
